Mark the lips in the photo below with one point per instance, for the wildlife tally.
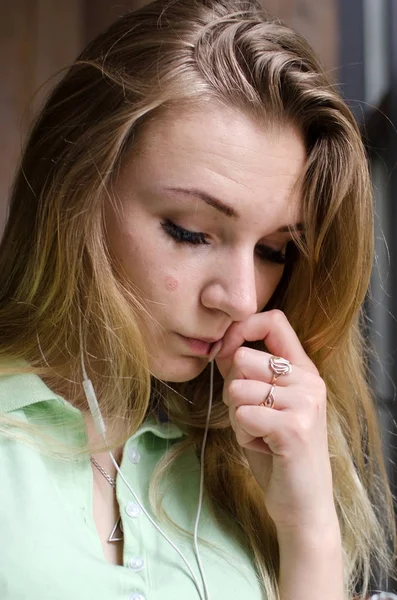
(201, 339)
(199, 346)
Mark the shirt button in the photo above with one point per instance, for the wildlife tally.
(136, 563)
(134, 456)
(137, 596)
(133, 509)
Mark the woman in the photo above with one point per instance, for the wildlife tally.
(193, 208)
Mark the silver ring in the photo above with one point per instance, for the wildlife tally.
(270, 399)
(279, 366)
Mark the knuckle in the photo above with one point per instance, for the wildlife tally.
(240, 413)
(241, 437)
(278, 317)
(315, 384)
(234, 389)
(297, 429)
(315, 371)
(321, 385)
(239, 356)
(303, 427)
(302, 396)
(310, 401)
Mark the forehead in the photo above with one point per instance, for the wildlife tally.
(224, 152)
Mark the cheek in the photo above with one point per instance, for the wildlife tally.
(171, 284)
(267, 286)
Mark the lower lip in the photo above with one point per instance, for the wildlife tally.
(197, 346)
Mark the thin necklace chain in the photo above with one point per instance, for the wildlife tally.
(117, 533)
(104, 473)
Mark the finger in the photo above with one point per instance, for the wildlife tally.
(284, 432)
(258, 445)
(275, 330)
(248, 363)
(259, 422)
(242, 392)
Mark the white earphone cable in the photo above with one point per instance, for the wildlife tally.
(101, 428)
(200, 502)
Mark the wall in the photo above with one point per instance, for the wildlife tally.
(37, 39)
(40, 37)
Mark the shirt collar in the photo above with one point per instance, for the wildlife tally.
(23, 389)
(18, 391)
(164, 430)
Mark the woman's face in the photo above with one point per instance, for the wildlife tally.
(201, 226)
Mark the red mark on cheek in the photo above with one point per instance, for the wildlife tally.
(171, 284)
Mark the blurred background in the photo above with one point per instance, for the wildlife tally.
(357, 42)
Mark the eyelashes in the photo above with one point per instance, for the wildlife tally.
(184, 235)
(276, 256)
(195, 238)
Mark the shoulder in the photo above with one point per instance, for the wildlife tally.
(29, 409)
(19, 390)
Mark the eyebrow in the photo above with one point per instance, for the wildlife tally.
(225, 208)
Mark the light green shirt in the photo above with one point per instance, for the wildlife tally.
(50, 549)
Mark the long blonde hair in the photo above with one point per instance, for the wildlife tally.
(55, 269)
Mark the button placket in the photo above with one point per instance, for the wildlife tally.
(133, 539)
(133, 510)
(134, 554)
(134, 455)
(136, 564)
(137, 596)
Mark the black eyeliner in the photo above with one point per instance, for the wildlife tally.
(181, 235)
(195, 238)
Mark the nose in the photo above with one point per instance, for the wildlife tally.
(232, 290)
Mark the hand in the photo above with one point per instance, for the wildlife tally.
(286, 446)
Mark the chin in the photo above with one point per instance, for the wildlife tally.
(179, 370)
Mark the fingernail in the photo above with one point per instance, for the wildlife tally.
(214, 350)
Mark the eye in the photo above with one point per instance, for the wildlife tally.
(183, 236)
(280, 257)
